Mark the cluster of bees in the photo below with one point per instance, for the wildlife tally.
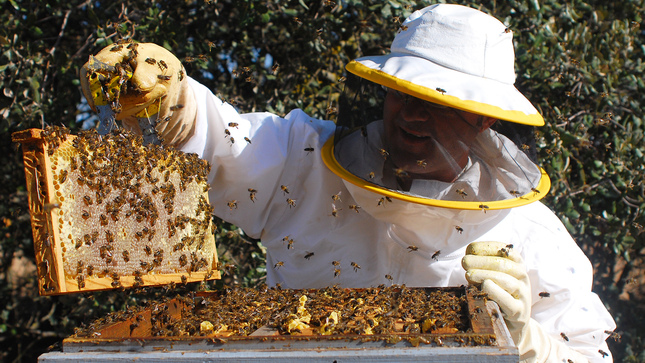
(126, 209)
(383, 313)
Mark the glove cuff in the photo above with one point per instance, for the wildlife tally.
(536, 346)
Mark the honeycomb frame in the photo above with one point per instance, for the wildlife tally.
(56, 269)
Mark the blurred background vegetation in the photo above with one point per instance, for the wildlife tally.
(580, 62)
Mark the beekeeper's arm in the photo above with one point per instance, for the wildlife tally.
(501, 272)
(252, 155)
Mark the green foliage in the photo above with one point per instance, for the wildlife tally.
(580, 62)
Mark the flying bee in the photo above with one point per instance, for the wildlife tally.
(412, 248)
(309, 150)
(484, 207)
(435, 256)
(164, 78)
(441, 90)
(308, 255)
(355, 266)
(384, 153)
(336, 272)
(462, 193)
(291, 202)
(400, 173)
(151, 61)
(459, 229)
(247, 139)
(544, 294)
(354, 207)
(525, 147)
(233, 124)
(278, 265)
(536, 191)
(514, 193)
(564, 336)
(232, 140)
(232, 204)
(603, 353)
(284, 189)
(422, 163)
(334, 210)
(371, 175)
(389, 277)
(227, 133)
(335, 263)
(252, 193)
(162, 65)
(290, 244)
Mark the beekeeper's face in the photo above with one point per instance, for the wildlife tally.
(426, 140)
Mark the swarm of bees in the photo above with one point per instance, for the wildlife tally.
(124, 209)
(377, 313)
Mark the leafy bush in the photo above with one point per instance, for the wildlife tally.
(580, 62)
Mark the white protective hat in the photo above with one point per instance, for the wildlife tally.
(455, 56)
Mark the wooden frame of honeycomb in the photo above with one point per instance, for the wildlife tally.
(109, 213)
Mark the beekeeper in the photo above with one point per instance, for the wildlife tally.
(416, 197)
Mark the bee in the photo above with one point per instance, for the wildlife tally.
(403, 28)
(603, 353)
(441, 90)
(309, 150)
(87, 200)
(90, 270)
(275, 67)
(354, 207)
(85, 214)
(612, 334)
(284, 189)
(384, 153)
(233, 124)
(232, 140)
(183, 260)
(334, 210)
(227, 133)
(514, 193)
(290, 244)
(459, 229)
(564, 336)
(291, 202)
(81, 281)
(278, 265)
(147, 250)
(165, 78)
(180, 74)
(247, 139)
(162, 65)
(184, 279)
(507, 30)
(462, 193)
(151, 61)
(336, 272)
(422, 163)
(342, 79)
(116, 48)
(63, 176)
(126, 256)
(335, 263)
(536, 191)
(355, 266)
(544, 294)
(252, 193)
(435, 256)
(400, 173)
(308, 255)
(371, 175)
(389, 277)
(412, 248)
(525, 147)
(232, 204)
(483, 207)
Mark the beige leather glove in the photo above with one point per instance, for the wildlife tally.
(500, 271)
(158, 82)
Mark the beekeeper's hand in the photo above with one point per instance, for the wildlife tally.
(500, 271)
(158, 79)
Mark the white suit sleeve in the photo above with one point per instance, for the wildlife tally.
(569, 311)
(257, 151)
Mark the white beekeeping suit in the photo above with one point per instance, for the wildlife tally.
(342, 205)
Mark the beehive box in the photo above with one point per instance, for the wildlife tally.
(375, 324)
(108, 213)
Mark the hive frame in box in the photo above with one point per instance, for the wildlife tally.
(48, 252)
(120, 340)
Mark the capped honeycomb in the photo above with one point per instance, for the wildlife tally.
(108, 212)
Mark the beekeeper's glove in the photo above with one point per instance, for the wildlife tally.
(159, 78)
(500, 270)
